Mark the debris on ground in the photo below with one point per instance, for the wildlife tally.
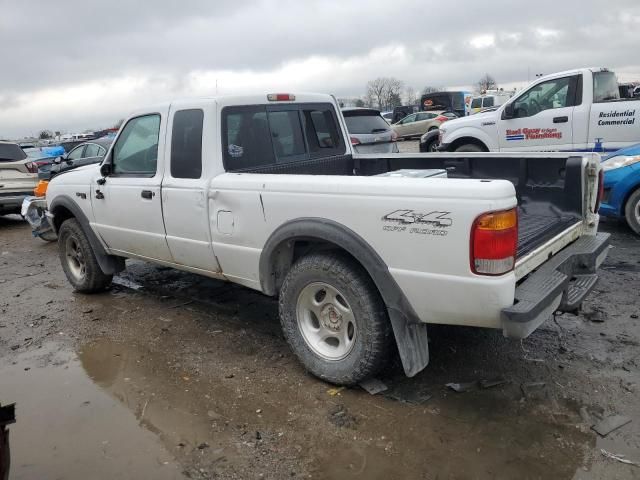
(609, 424)
(595, 315)
(618, 458)
(497, 382)
(462, 387)
(340, 417)
(530, 387)
(335, 391)
(373, 386)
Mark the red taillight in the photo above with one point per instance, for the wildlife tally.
(354, 141)
(281, 97)
(600, 190)
(442, 118)
(494, 242)
(394, 136)
(31, 167)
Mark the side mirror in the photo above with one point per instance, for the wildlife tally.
(508, 111)
(105, 169)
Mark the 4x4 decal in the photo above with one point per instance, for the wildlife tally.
(439, 219)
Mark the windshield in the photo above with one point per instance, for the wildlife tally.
(605, 87)
(366, 124)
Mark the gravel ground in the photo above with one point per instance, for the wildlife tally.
(171, 375)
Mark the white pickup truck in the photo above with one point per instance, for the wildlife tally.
(576, 110)
(265, 191)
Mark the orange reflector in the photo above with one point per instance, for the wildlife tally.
(498, 220)
(41, 188)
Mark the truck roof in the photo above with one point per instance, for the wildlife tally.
(227, 100)
(574, 71)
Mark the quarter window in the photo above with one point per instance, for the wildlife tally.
(286, 134)
(136, 151)
(186, 144)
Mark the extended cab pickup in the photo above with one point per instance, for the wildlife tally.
(576, 110)
(265, 191)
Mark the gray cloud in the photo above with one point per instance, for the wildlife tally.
(53, 46)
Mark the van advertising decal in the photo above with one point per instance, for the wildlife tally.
(614, 117)
(533, 134)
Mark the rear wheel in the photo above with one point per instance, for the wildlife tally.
(632, 211)
(78, 260)
(469, 147)
(334, 318)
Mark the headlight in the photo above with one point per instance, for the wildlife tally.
(619, 162)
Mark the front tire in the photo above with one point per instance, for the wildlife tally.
(334, 319)
(78, 260)
(48, 237)
(469, 147)
(632, 211)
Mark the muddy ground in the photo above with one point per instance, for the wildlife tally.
(171, 375)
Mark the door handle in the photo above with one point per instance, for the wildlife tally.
(148, 194)
(560, 119)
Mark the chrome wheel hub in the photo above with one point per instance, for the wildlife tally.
(326, 321)
(75, 258)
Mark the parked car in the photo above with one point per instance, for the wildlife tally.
(621, 197)
(388, 116)
(266, 191)
(84, 154)
(430, 141)
(43, 155)
(402, 111)
(368, 131)
(419, 123)
(575, 110)
(18, 177)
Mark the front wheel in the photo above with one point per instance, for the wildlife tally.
(48, 236)
(334, 319)
(632, 211)
(78, 260)
(469, 147)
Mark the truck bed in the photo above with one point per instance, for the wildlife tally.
(548, 186)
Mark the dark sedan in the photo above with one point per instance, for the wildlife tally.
(84, 154)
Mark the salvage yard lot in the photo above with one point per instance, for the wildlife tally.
(172, 375)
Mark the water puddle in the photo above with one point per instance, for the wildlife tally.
(69, 428)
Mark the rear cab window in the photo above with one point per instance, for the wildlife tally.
(261, 135)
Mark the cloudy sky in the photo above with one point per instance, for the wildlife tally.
(71, 65)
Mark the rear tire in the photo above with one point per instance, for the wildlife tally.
(78, 260)
(469, 147)
(632, 211)
(334, 319)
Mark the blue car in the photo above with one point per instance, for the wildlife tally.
(622, 186)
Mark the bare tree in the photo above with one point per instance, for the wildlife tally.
(45, 135)
(487, 82)
(384, 92)
(410, 96)
(431, 89)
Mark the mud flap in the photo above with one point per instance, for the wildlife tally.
(411, 339)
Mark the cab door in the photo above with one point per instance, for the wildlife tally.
(127, 204)
(542, 117)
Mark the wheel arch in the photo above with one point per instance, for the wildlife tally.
(63, 208)
(280, 252)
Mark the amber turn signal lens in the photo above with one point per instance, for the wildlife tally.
(41, 188)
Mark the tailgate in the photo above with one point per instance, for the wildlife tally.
(14, 177)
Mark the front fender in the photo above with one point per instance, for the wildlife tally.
(470, 132)
(621, 182)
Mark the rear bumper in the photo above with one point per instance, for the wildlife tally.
(561, 283)
(11, 202)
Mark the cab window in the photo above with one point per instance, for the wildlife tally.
(556, 93)
(186, 144)
(476, 103)
(136, 151)
(487, 102)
